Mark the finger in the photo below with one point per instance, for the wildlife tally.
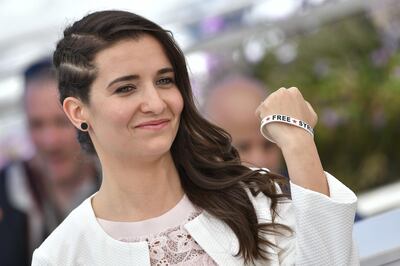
(310, 108)
(258, 110)
(313, 114)
(296, 91)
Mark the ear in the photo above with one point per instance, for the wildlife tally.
(74, 109)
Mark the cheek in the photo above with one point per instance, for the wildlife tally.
(34, 133)
(70, 136)
(176, 102)
(112, 113)
(38, 136)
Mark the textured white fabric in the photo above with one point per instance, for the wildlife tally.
(323, 227)
(168, 241)
(322, 234)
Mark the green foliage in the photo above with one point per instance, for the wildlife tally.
(358, 100)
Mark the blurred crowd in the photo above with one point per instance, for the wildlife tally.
(38, 193)
(350, 70)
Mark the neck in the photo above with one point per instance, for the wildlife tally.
(134, 191)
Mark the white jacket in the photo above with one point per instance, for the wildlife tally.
(322, 234)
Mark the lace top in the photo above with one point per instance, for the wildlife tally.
(169, 242)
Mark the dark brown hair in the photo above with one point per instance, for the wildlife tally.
(209, 167)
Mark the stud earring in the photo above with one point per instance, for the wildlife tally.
(84, 126)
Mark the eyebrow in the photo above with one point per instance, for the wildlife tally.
(133, 77)
(123, 78)
(165, 70)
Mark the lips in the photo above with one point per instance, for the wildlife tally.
(153, 124)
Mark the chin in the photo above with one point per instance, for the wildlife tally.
(61, 178)
(159, 148)
(60, 174)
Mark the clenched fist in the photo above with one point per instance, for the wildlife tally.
(288, 102)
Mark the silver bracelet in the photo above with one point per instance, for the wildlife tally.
(284, 119)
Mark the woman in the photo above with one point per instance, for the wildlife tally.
(173, 189)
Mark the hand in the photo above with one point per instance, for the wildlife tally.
(297, 145)
(287, 102)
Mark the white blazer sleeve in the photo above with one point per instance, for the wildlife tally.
(322, 227)
(37, 260)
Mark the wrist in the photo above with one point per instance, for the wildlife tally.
(277, 127)
(297, 142)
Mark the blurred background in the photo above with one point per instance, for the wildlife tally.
(343, 54)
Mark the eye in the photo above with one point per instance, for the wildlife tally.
(125, 89)
(165, 81)
(62, 122)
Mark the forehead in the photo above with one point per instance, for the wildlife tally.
(134, 54)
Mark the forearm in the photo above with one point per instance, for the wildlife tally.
(297, 145)
(304, 165)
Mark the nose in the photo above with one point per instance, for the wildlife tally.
(152, 100)
(50, 137)
(47, 139)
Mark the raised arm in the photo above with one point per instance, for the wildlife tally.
(297, 145)
(322, 222)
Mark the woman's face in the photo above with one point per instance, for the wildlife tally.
(135, 105)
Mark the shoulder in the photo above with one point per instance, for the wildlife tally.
(74, 225)
(76, 230)
(10, 175)
(6, 166)
(3, 191)
(6, 169)
(13, 223)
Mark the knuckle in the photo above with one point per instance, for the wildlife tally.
(294, 90)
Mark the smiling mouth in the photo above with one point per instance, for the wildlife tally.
(156, 124)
